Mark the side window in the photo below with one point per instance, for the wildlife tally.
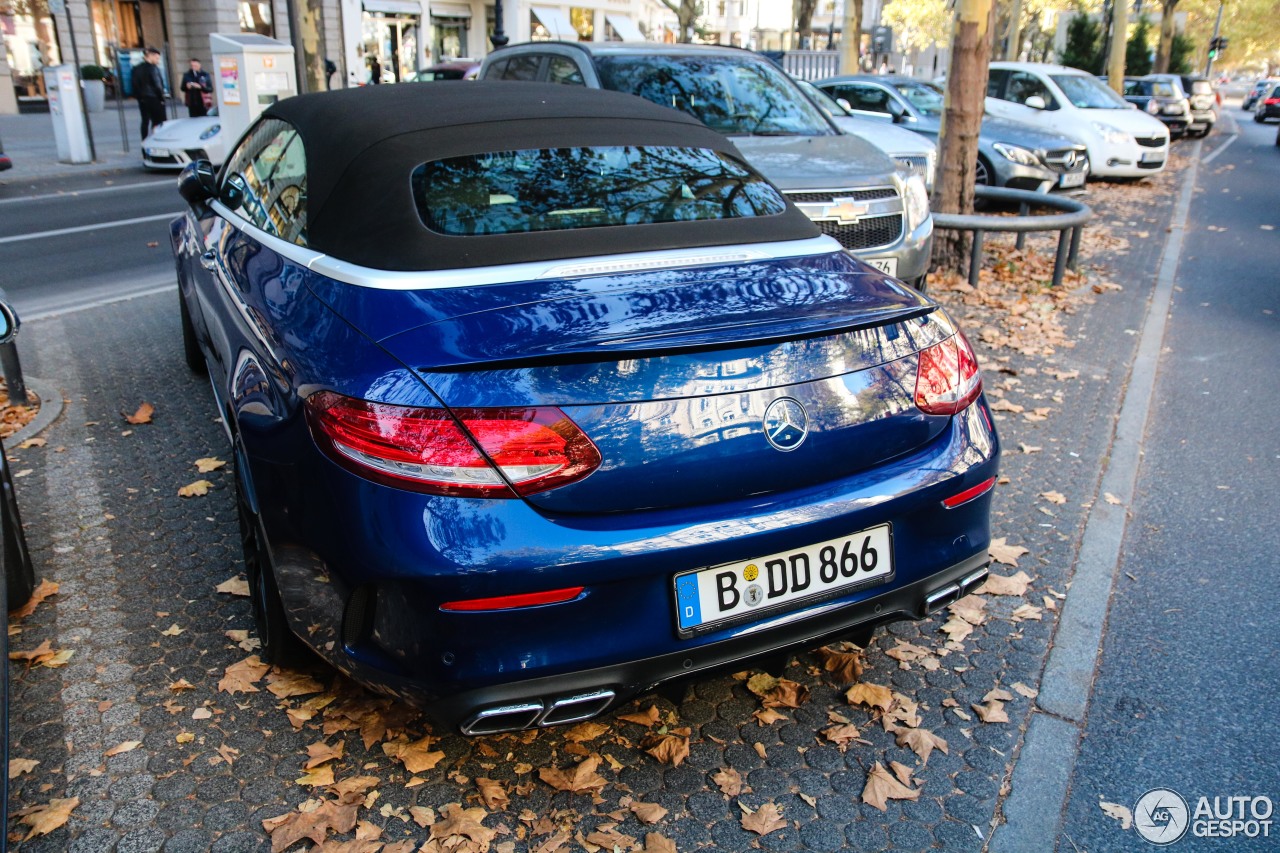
(496, 69)
(995, 82)
(1022, 86)
(869, 99)
(562, 70)
(523, 67)
(273, 165)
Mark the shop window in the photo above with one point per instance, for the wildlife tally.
(255, 17)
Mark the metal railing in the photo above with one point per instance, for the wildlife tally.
(1069, 224)
(807, 64)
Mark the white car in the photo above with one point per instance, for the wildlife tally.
(176, 143)
(1123, 142)
(914, 154)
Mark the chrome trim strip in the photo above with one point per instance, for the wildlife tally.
(602, 265)
(377, 279)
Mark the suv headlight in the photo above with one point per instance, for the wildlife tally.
(1153, 107)
(1110, 134)
(211, 132)
(1017, 154)
(915, 199)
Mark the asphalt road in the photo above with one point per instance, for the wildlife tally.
(1184, 696)
(70, 243)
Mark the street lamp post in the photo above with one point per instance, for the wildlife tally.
(499, 37)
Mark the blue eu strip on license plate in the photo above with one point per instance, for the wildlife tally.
(738, 591)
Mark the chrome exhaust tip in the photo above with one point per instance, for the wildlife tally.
(575, 709)
(940, 598)
(504, 718)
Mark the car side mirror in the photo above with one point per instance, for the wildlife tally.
(233, 191)
(1035, 102)
(198, 182)
(9, 322)
(844, 102)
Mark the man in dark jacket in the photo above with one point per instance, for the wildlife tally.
(196, 83)
(148, 88)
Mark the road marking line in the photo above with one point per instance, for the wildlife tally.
(17, 238)
(97, 303)
(90, 191)
(1033, 810)
(1220, 149)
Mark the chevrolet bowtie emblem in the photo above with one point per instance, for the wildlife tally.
(846, 211)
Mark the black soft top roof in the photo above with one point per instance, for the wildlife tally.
(363, 144)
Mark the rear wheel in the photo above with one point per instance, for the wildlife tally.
(279, 644)
(982, 172)
(190, 346)
(19, 576)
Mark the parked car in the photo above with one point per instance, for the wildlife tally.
(5, 162)
(1204, 103)
(1010, 154)
(914, 154)
(1160, 99)
(179, 142)
(19, 576)
(845, 184)
(1122, 141)
(454, 69)
(1251, 97)
(1268, 105)
(588, 405)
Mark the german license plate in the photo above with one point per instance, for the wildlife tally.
(1152, 156)
(744, 590)
(888, 266)
(157, 152)
(1071, 179)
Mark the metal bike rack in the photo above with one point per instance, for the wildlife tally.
(1069, 224)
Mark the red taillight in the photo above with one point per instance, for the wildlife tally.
(969, 494)
(1271, 101)
(492, 452)
(510, 602)
(947, 377)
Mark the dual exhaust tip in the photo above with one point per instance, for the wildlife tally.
(953, 592)
(527, 715)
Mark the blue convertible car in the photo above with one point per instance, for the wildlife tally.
(541, 397)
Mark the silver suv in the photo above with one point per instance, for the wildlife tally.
(847, 186)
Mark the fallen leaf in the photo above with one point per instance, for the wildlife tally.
(422, 815)
(317, 777)
(416, 756)
(58, 659)
(172, 631)
(42, 591)
(587, 731)
(142, 415)
(845, 666)
(768, 716)
(642, 718)
(198, 489)
(320, 752)
(992, 712)
(668, 749)
(762, 683)
(208, 463)
(18, 766)
(971, 608)
(120, 749)
(33, 442)
(1006, 585)
(1054, 497)
(493, 794)
(729, 781)
(786, 694)
(242, 675)
(883, 786)
(956, 629)
(352, 790)
(1005, 553)
(184, 737)
(872, 695)
(657, 843)
(1026, 612)
(229, 753)
(998, 693)
(842, 734)
(286, 684)
(201, 714)
(1112, 499)
(45, 649)
(1003, 405)
(764, 820)
(760, 750)
(45, 818)
(1024, 690)
(902, 771)
(180, 685)
(920, 741)
(905, 652)
(608, 838)
(581, 778)
(234, 586)
(1030, 448)
(1117, 811)
(648, 813)
(315, 824)
(461, 823)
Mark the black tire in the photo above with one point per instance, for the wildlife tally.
(280, 646)
(1257, 116)
(190, 346)
(19, 575)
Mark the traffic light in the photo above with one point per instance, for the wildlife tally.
(1217, 45)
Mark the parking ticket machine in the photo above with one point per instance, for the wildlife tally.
(250, 73)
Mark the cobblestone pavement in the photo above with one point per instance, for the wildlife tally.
(133, 560)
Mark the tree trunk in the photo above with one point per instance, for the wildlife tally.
(1119, 44)
(1166, 36)
(851, 40)
(961, 121)
(1015, 32)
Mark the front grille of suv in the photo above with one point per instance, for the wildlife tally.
(856, 195)
(1149, 141)
(867, 233)
(1057, 160)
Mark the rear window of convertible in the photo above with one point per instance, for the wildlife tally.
(565, 188)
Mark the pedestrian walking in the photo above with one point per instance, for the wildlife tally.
(375, 71)
(148, 88)
(197, 85)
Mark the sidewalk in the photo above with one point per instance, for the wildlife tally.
(28, 140)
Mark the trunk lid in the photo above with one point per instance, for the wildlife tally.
(672, 374)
